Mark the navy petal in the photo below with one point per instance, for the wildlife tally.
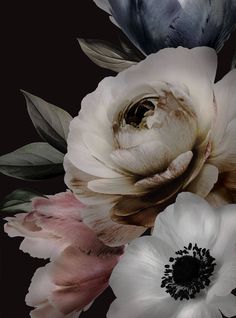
(203, 23)
(155, 24)
(144, 22)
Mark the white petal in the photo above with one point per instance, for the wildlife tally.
(204, 182)
(77, 181)
(224, 252)
(176, 168)
(226, 238)
(219, 197)
(227, 305)
(207, 59)
(46, 310)
(81, 157)
(190, 220)
(225, 95)
(43, 248)
(99, 148)
(225, 281)
(128, 136)
(149, 157)
(224, 154)
(40, 288)
(123, 185)
(139, 271)
(198, 309)
(111, 233)
(140, 308)
(41, 244)
(193, 69)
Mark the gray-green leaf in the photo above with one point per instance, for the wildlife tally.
(35, 161)
(106, 55)
(51, 122)
(19, 201)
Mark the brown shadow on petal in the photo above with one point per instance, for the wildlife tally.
(142, 210)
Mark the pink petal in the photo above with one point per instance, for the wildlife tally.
(59, 205)
(76, 267)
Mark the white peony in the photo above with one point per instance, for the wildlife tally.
(156, 129)
(186, 269)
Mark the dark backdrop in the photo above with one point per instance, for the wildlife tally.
(43, 57)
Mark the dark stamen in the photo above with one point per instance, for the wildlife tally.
(188, 273)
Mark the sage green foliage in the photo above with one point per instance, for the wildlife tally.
(19, 201)
(35, 161)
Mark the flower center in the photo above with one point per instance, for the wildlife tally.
(188, 273)
(135, 114)
(185, 270)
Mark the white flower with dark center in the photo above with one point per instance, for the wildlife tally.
(156, 129)
(186, 269)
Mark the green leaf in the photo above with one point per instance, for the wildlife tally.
(106, 55)
(35, 161)
(19, 201)
(51, 122)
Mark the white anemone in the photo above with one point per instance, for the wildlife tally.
(186, 269)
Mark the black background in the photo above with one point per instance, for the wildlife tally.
(43, 57)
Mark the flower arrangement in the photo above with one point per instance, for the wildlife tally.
(149, 167)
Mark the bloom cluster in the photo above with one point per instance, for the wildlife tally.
(152, 148)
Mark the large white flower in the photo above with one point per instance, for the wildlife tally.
(186, 269)
(154, 130)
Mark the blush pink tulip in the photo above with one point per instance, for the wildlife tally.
(80, 264)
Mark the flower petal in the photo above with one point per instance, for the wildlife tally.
(59, 205)
(36, 242)
(193, 28)
(109, 232)
(48, 311)
(224, 251)
(138, 274)
(218, 197)
(224, 135)
(144, 159)
(226, 237)
(77, 181)
(176, 168)
(190, 220)
(123, 185)
(205, 181)
(225, 281)
(80, 278)
(198, 309)
(40, 288)
(227, 305)
(103, 4)
(224, 156)
(146, 307)
(178, 67)
(87, 162)
(43, 247)
(143, 22)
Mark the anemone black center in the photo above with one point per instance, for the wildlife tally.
(188, 272)
(185, 270)
(135, 114)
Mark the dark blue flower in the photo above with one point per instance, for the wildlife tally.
(155, 24)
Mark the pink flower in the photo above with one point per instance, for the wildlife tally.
(80, 264)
